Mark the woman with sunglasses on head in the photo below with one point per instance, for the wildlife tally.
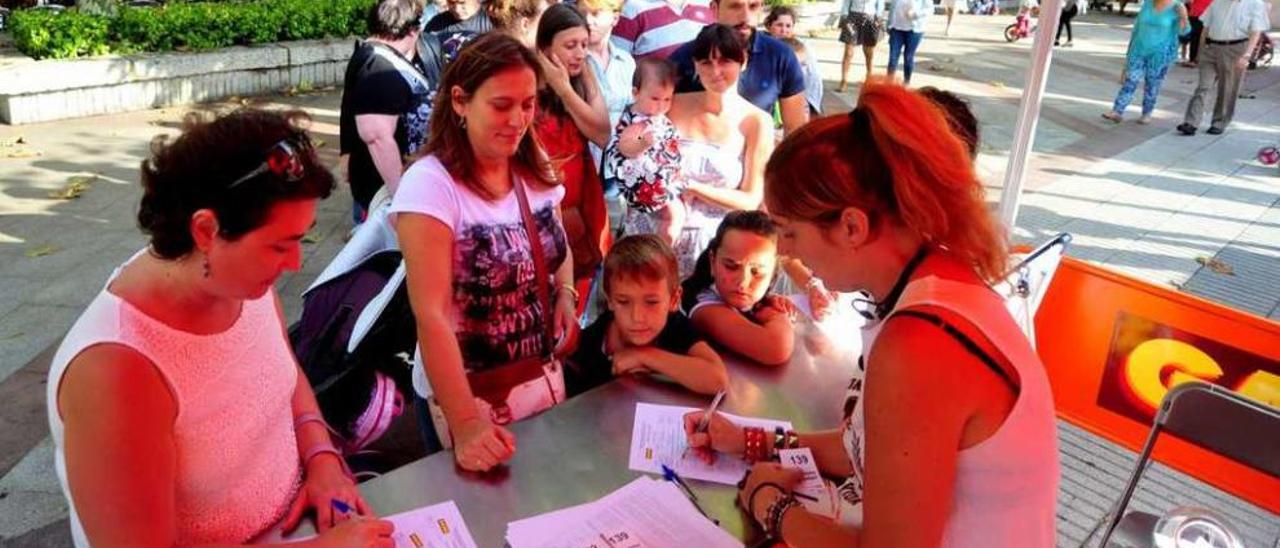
(489, 272)
(727, 297)
(178, 412)
(949, 436)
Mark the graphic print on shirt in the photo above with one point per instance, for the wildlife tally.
(415, 122)
(850, 490)
(500, 317)
(451, 43)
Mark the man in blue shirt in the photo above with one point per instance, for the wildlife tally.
(773, 73)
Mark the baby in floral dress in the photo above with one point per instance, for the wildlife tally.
(644, 154)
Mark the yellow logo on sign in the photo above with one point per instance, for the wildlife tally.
(444, 526)
(648, 453)
(417, 542)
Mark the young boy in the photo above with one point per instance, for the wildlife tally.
(644, 154)
(643, 333)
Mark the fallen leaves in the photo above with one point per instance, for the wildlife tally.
(41, 251)
(12, 148)
(76, 185)
(1217, 265)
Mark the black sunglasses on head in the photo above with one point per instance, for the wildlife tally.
(284, 160)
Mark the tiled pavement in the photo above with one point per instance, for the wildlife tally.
(1137, 198)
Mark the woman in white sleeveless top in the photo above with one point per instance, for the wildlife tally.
(949, 436)
(179, 415)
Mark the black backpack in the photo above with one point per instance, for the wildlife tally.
(344, 381)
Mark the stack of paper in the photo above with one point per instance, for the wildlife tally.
(658, 438)
(644, 513)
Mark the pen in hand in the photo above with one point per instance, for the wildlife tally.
(705, 421)
(339, 507)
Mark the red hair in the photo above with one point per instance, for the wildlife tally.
(894, 157)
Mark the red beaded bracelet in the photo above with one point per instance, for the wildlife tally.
(755, 444)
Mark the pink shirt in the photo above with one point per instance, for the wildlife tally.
(237, 456)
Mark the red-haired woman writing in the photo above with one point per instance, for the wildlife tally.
(949, 435)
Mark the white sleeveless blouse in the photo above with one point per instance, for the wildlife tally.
(237, 457)
(1006, 487)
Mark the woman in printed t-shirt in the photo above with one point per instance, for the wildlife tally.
(473, 266)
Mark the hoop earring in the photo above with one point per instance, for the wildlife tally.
(463, 125)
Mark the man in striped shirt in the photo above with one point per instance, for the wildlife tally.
(658, 27)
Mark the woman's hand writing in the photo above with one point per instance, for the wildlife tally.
(326, 481)
(721, 435)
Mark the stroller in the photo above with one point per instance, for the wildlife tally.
(357, 336)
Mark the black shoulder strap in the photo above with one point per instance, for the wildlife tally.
(964, 341)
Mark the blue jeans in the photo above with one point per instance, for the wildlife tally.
(904, 43)
(1152, 70)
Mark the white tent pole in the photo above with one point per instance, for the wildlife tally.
(1024, 131)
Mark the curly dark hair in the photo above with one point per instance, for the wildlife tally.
(196, 170)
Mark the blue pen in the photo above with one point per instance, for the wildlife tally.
(671, 476)
(340, 507)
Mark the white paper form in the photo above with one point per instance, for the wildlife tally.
(658, 438)
(644, 513)
(813, 485)
(435, 526)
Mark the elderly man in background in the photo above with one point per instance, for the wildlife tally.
(1231, 30)
(386, 102)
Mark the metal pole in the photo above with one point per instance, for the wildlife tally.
(1024, 131)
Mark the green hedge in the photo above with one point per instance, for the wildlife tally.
(44, 34)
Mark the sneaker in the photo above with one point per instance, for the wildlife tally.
(1055, 43)
(1112, 117)
(1186, 129)
(1145, 119)
(1069, 44)
(1214, 131)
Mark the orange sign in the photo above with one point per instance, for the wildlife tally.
(1113, 346)
(1148, 358)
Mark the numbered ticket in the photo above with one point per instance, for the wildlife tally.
(821, 494)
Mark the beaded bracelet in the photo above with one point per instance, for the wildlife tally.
(773, 518)
(755, 446)
(751, 499)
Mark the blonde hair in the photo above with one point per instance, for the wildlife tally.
(600, 5)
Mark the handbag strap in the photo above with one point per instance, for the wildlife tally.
(539, 266)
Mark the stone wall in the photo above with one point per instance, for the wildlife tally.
(40, 91)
